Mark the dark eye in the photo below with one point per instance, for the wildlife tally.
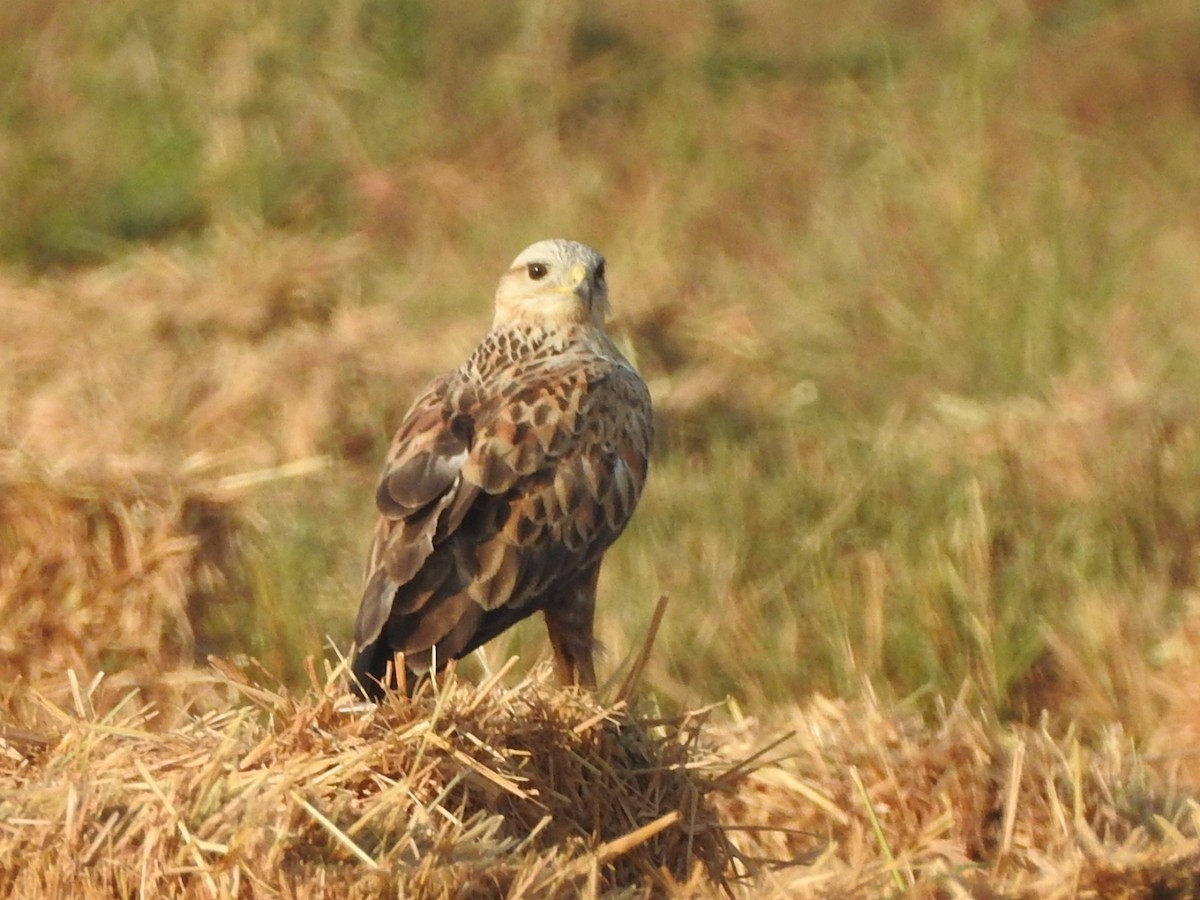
(537, 271)
(600, 272)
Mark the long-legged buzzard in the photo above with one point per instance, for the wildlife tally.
(508, 480)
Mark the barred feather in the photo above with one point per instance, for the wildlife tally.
(508, 480)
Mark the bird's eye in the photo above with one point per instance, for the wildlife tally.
(600, 272)
(537, 271)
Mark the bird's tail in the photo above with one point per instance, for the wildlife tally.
(375, 672)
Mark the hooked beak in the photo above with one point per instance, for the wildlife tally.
(579, 284)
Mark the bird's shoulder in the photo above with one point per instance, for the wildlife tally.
(555, 397)
(522, 400)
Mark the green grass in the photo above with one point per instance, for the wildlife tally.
(914, 286)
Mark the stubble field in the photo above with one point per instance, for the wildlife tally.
(915, 288)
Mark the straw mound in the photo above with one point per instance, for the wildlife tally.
(109, 568)
(1064, 448)
(870, 802)
(477, 791)
(533, 791)
(252, 342)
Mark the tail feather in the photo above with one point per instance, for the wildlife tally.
(371, 668)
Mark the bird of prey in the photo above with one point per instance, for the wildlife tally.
(507, 481)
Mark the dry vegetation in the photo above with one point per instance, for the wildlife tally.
(527, 790)
(478, 792)
(915, 288)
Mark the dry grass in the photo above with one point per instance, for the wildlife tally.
(913, 285)
(870, 802)
(529, 791)
(130, 566)
(107, 569)
(521, 791)
(253, 344)
(915, 288)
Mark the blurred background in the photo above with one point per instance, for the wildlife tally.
(915, 284)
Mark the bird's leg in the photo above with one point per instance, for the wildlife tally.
(569, 623)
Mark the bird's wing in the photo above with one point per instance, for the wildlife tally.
(488, 501)
(420, 483)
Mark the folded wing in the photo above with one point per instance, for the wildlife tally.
(491, 501)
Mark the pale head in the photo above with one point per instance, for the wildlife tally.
(553, 282)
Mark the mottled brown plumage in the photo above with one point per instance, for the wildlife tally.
(508, 480)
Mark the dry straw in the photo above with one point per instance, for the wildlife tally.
(160, 780)
(531, 791)
(95, 568)
(871, 802)
(116, 565)
(463, 791)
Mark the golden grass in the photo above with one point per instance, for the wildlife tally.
(172, 353)
(914, 285)
(531, 791)
(492, 790)
(100, 569)
(870, 801)
(129, 565)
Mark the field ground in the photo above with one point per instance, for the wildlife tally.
(222, 787)
(915, 287)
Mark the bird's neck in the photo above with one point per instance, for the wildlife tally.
(515, 342)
